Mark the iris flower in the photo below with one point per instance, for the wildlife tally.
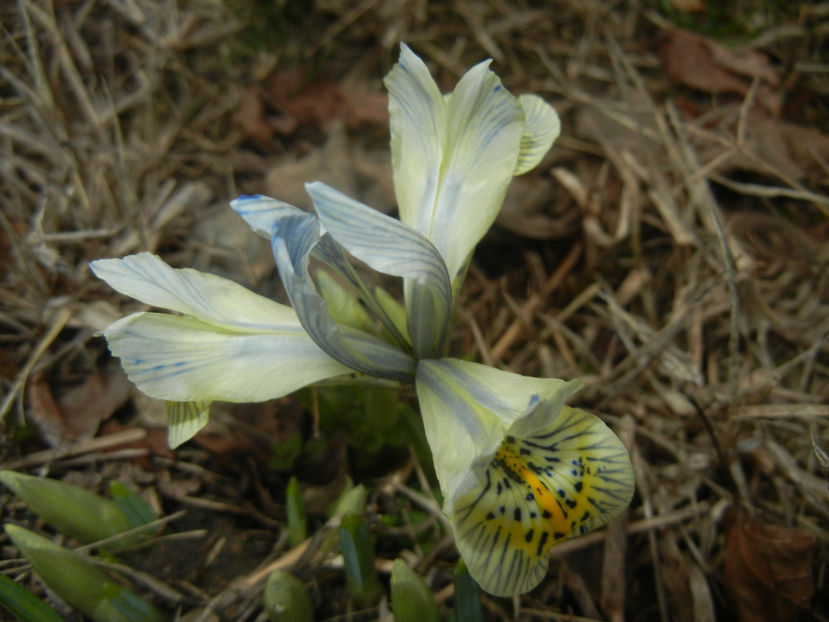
(517, 468)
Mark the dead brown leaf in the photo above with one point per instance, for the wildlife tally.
(303, 100)
(219, 445)
(76, 414)
(689, 596)
(769, 147)
(365, 107)
(97, 397)
(768, 569)
(364, 175)
(798, 151)
(528, 210)
(45, 412)
(705, 65)
(154, 441)
(294, 97)
(250, 116)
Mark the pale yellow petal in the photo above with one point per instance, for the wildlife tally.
(564, 480)
(184, 420)
(541, 128)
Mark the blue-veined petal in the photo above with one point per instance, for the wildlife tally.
(184, 420)
(417, 112)
(452, 157)
(266, 216)
(541, 127)
(263, 214)
(467, 409)
(235, 345)
(208, 297)
(394, 310)
(343, 306)
(391, 247)
(295, 235)
(519, 470)
(260, 212)
(184, 359)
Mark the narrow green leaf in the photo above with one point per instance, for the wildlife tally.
(467, 596)
(352, 499)
(138, 512)
(343, 306)
(79, 582)
(393, 310)
(295, 508)
(70, 509)
(358, 557)
(24, 605)
(286, 599)
(411, 598)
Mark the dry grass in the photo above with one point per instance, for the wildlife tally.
(686, 283)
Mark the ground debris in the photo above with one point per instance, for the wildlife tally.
(671, 251)
(768, 568)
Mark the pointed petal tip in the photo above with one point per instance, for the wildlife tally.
(407, 54)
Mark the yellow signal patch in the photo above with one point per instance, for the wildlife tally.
(566, 479)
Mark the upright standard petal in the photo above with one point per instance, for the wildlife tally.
(235, 345)
(519, 470)
(452, 157)
(418, 125)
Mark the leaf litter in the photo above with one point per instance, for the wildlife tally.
(671, 251)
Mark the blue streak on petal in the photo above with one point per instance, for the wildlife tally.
(295, 235)
(394, 248)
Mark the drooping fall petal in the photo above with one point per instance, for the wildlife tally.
(519, 470)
